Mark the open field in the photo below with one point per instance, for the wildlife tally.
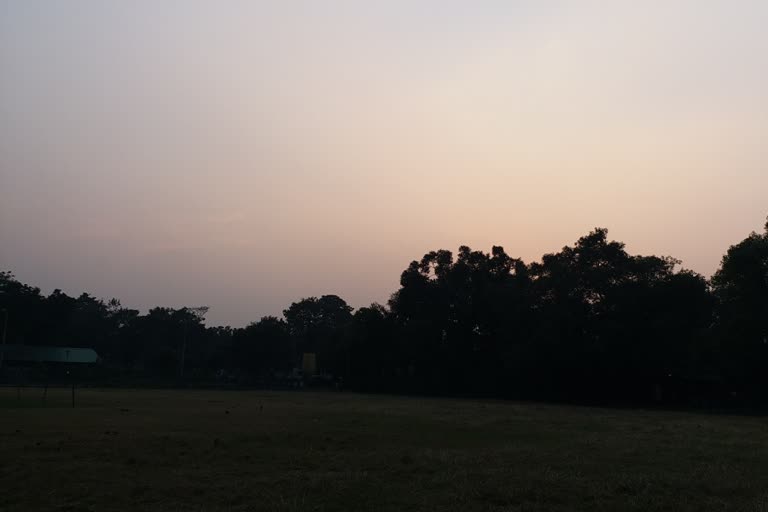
(238, 451)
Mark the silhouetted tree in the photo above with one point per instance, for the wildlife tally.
(459, 318)
(374, 350)
(264, 347)
(741, 287)
(590, 322)
(607, 320)
(318, 326)
(24, 306)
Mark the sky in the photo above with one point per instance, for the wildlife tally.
(246, 154)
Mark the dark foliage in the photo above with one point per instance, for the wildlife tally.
(590, 322)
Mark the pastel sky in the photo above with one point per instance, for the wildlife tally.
(245, 154)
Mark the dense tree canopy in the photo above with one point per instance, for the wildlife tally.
(590, 322)
(741, 287)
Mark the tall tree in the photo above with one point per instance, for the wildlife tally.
(319, 326)
(23, 305)
(741, 287)
(264, 347)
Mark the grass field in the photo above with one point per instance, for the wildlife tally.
(238, 451)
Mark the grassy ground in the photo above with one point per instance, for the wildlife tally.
(238, 451)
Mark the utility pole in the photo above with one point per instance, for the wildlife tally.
(198, 313)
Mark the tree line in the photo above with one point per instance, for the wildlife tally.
(588, 323)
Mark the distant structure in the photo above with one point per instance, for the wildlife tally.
(309, 364)
(37, 354)
(28, 356)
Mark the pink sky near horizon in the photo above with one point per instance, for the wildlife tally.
(243, 155)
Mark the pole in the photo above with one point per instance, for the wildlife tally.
(73, 394)
(45, 390)
(5, 330)
(183, 350)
